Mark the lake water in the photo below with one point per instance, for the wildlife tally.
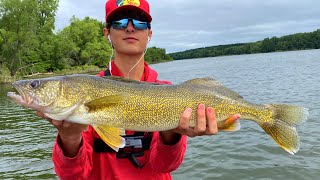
(288, 77)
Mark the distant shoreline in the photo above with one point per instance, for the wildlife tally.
(293, 42)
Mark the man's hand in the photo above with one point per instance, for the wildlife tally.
(206, 125)
(70, 135)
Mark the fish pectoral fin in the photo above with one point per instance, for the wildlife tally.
(105, 101)
(111, 136)
(227, 126)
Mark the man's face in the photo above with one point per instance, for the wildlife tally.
(130, 40)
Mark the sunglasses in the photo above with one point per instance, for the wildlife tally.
(123, 24)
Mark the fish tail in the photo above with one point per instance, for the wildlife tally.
(281, 126)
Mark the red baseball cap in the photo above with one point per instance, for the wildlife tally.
(113, 6)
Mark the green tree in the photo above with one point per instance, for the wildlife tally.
(316, 39)
(87, 41)
(297, 41)
(63, 48)
(18, 26)
(154, 55)
(46, 11)
(27, 27)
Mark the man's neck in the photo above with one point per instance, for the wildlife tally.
(129, 66)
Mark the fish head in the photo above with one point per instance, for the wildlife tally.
(37, 94)
(57, 97)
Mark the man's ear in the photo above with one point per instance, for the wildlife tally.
(149, 35)
(106, 33)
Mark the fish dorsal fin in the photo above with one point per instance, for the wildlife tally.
(106, 101)
(121, 79)
(111, 136)
(214, 86)
(207, 81)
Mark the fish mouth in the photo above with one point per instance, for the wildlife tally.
(21, 97)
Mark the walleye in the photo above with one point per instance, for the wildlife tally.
(113, 104)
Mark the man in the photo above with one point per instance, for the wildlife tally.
(79, 153)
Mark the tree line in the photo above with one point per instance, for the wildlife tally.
(29, 44)
(299, 41)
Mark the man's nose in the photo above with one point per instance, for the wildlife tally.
(130, 27)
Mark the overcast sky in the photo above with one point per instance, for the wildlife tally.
(186, 24)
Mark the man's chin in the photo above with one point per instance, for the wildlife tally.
(133, 51)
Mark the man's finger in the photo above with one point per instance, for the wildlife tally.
(56, 122)
(211, 121)
(40, 114)
(201, 119)
(184, 121)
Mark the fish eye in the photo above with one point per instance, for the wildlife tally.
(35, 84)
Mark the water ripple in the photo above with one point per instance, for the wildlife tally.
(290, 77)
(293, 77)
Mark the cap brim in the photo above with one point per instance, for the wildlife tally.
(128, 7)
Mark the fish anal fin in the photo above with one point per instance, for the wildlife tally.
(111, 136)
(105, 101)
(227, 126)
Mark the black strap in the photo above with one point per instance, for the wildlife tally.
(107, 72)
(130, 151)
(100, 146)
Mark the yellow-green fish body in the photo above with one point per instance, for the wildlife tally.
(113, 104)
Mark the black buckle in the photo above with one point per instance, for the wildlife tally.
(135, 146)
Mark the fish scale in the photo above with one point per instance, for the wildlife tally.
(113, 104)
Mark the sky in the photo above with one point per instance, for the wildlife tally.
(180, 25)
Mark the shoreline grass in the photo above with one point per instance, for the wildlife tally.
(5, 77)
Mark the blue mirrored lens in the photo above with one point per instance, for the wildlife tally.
(139, 24)
(123, 23)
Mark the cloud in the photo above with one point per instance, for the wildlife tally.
(182, 24)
